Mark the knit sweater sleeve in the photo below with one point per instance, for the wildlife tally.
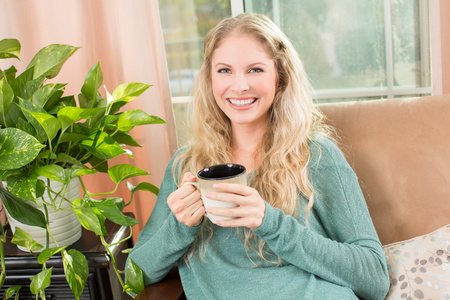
(164, 240)
(349, 252)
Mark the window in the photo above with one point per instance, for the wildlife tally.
(185, 24)
(351, 49)
(357, 49)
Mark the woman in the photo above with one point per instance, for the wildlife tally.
(301, 229)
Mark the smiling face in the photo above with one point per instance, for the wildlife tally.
(244, 80)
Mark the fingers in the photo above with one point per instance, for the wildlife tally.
(186, 203)
(234, 188)
(241, 216)
(231, 192)
(188, 177)
(250, 207)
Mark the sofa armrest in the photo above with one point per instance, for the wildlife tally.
(169, 288)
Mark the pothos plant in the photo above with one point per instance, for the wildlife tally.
(46, 135)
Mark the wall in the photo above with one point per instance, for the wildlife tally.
(445, 45)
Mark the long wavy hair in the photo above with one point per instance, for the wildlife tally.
(283, 155)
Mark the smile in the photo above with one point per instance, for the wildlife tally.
(246, 102)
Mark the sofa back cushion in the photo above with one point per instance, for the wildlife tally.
(400, 150)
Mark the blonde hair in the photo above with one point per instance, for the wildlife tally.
(283, 155)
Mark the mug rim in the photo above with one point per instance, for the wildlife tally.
(241, 167)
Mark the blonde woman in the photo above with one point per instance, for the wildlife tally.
(301, 228)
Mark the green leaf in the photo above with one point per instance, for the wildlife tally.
(22, 123)
(82, 171)
(72, 137)
(82, 100)
(25, 186)
(92, 82)
(24, 239)
(9, 48)
(41, 281)
(99, 164)
(13, 290)
(49, 123)
(69, 115)
(25, 106)
(61, 103)
(126, 251)
(65, 158)
(125, 139)
(31, 87)
(122, 172)
(128, 91)
(134, 277)
(46, 92)
(22, 211)
(47, 253)
(110, 121)
(53, 172)
(50, 59)
(19, 83)
(144, 186)
(130, 118)
(102, 146)
(6, 99)
(47, 154)
(89, 219)
(9, 74)
(76, 269)
(111, 208)
(116, 106)
(17, 148)
(40, 188)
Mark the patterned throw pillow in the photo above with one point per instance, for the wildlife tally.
(419, 268)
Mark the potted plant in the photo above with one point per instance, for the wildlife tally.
(46, 136)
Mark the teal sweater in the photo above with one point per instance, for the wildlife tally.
(337, 256)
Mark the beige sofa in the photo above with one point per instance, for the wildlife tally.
(400, 150)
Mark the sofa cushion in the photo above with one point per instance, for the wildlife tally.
(419, 268)
(400, 150)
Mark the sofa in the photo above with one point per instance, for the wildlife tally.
(400, 151)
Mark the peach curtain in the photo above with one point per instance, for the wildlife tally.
(126, 37)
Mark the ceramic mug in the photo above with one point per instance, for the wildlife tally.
(223, 173)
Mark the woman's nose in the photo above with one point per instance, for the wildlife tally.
(239, 84)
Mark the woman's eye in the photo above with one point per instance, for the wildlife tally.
(256, 70)
(224, 70)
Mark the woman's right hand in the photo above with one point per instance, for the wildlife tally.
(186, 202)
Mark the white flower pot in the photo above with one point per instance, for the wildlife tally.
(64, 225)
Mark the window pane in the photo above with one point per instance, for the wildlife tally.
(343, 43)
(185, 24)
(411, 66)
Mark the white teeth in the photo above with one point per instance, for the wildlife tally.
(241, 102)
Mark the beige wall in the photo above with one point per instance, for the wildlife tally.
(445, 45)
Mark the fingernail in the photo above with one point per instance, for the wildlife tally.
(217, 186)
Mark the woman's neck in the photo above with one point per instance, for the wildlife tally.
(245, 143)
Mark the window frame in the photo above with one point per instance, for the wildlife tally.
(429, 14)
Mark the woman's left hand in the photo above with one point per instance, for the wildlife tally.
(250, 208)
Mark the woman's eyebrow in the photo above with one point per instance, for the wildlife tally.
(250, 65)
(222, 64)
